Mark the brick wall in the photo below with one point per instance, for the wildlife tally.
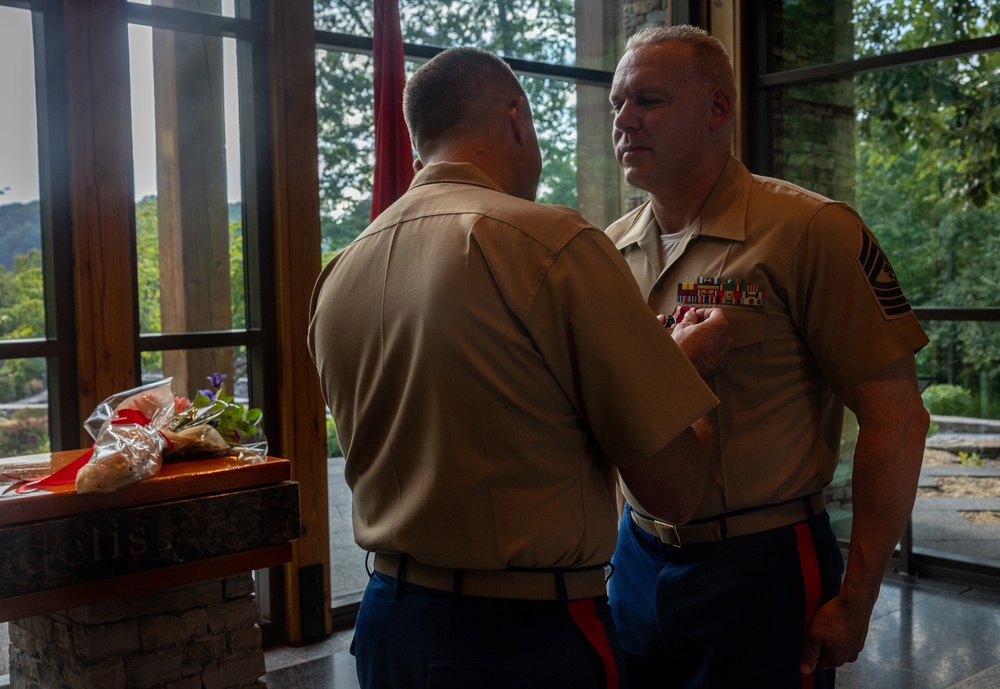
(813, 125)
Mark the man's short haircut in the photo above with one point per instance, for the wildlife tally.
(456, 88)
(710, 53)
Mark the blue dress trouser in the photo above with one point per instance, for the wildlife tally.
(726, 614)
(411, 637)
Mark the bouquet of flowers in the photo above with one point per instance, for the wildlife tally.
(137, 430)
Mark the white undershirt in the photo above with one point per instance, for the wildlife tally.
(673, 244)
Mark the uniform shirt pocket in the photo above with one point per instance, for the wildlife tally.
(739, 386)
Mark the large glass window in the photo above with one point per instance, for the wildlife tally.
(345, 119)
(189, 232)
(190, 238)
(24, 422)
(909, 135)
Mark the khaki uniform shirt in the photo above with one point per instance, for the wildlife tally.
(815, 309)
(469, 346)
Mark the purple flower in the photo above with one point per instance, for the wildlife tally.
(210, 394)
(217, 379)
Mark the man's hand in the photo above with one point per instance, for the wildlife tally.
(703, 336)
(836, 636)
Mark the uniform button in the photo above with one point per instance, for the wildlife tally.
(658, 288)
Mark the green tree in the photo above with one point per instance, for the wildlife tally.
(526, 29)
(928, 183)
(22, 305)
(950, 110)
(20, 230)
(147, 251)
(346, 140)
(237, 282)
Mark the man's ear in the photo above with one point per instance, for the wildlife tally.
(720, 105)
(519, 118)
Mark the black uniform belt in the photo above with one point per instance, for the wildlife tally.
(523, 584)
(733, 525)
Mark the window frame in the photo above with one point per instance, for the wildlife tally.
(58, 346)
(259, 337)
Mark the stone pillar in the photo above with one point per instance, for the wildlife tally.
(636, 16)
(642, 14)
(204, 635)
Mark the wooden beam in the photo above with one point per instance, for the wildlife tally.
(97, 64)
(192, 210)
(297, 264)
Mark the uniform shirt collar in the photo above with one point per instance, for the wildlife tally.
(457, 173)
(723, 215)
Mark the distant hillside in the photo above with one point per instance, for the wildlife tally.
(235, 209)
(20, 228)
(20, 231)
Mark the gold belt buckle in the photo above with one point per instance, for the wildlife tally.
(668, 533)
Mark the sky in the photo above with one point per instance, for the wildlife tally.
(19, 134)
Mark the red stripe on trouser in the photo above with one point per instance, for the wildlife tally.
(811, 581)
(585, 616)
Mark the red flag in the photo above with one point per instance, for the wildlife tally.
(393, 152)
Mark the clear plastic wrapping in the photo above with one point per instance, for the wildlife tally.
(137, 430)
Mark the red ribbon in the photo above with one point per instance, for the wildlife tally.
(68, 473)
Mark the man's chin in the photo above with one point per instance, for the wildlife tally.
(634, 177)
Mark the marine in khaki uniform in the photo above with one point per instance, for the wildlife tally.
(748, 592)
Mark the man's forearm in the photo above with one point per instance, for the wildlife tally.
(886, 470)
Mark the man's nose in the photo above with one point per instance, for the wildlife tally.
(625, 119)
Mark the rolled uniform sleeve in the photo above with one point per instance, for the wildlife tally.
(847, 301)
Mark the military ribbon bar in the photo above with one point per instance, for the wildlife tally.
(720, 290)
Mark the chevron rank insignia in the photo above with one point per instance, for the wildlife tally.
(881, 278)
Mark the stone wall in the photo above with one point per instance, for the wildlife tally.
(640, 14)
(202, 636)
(4, 652)
(813, 125)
